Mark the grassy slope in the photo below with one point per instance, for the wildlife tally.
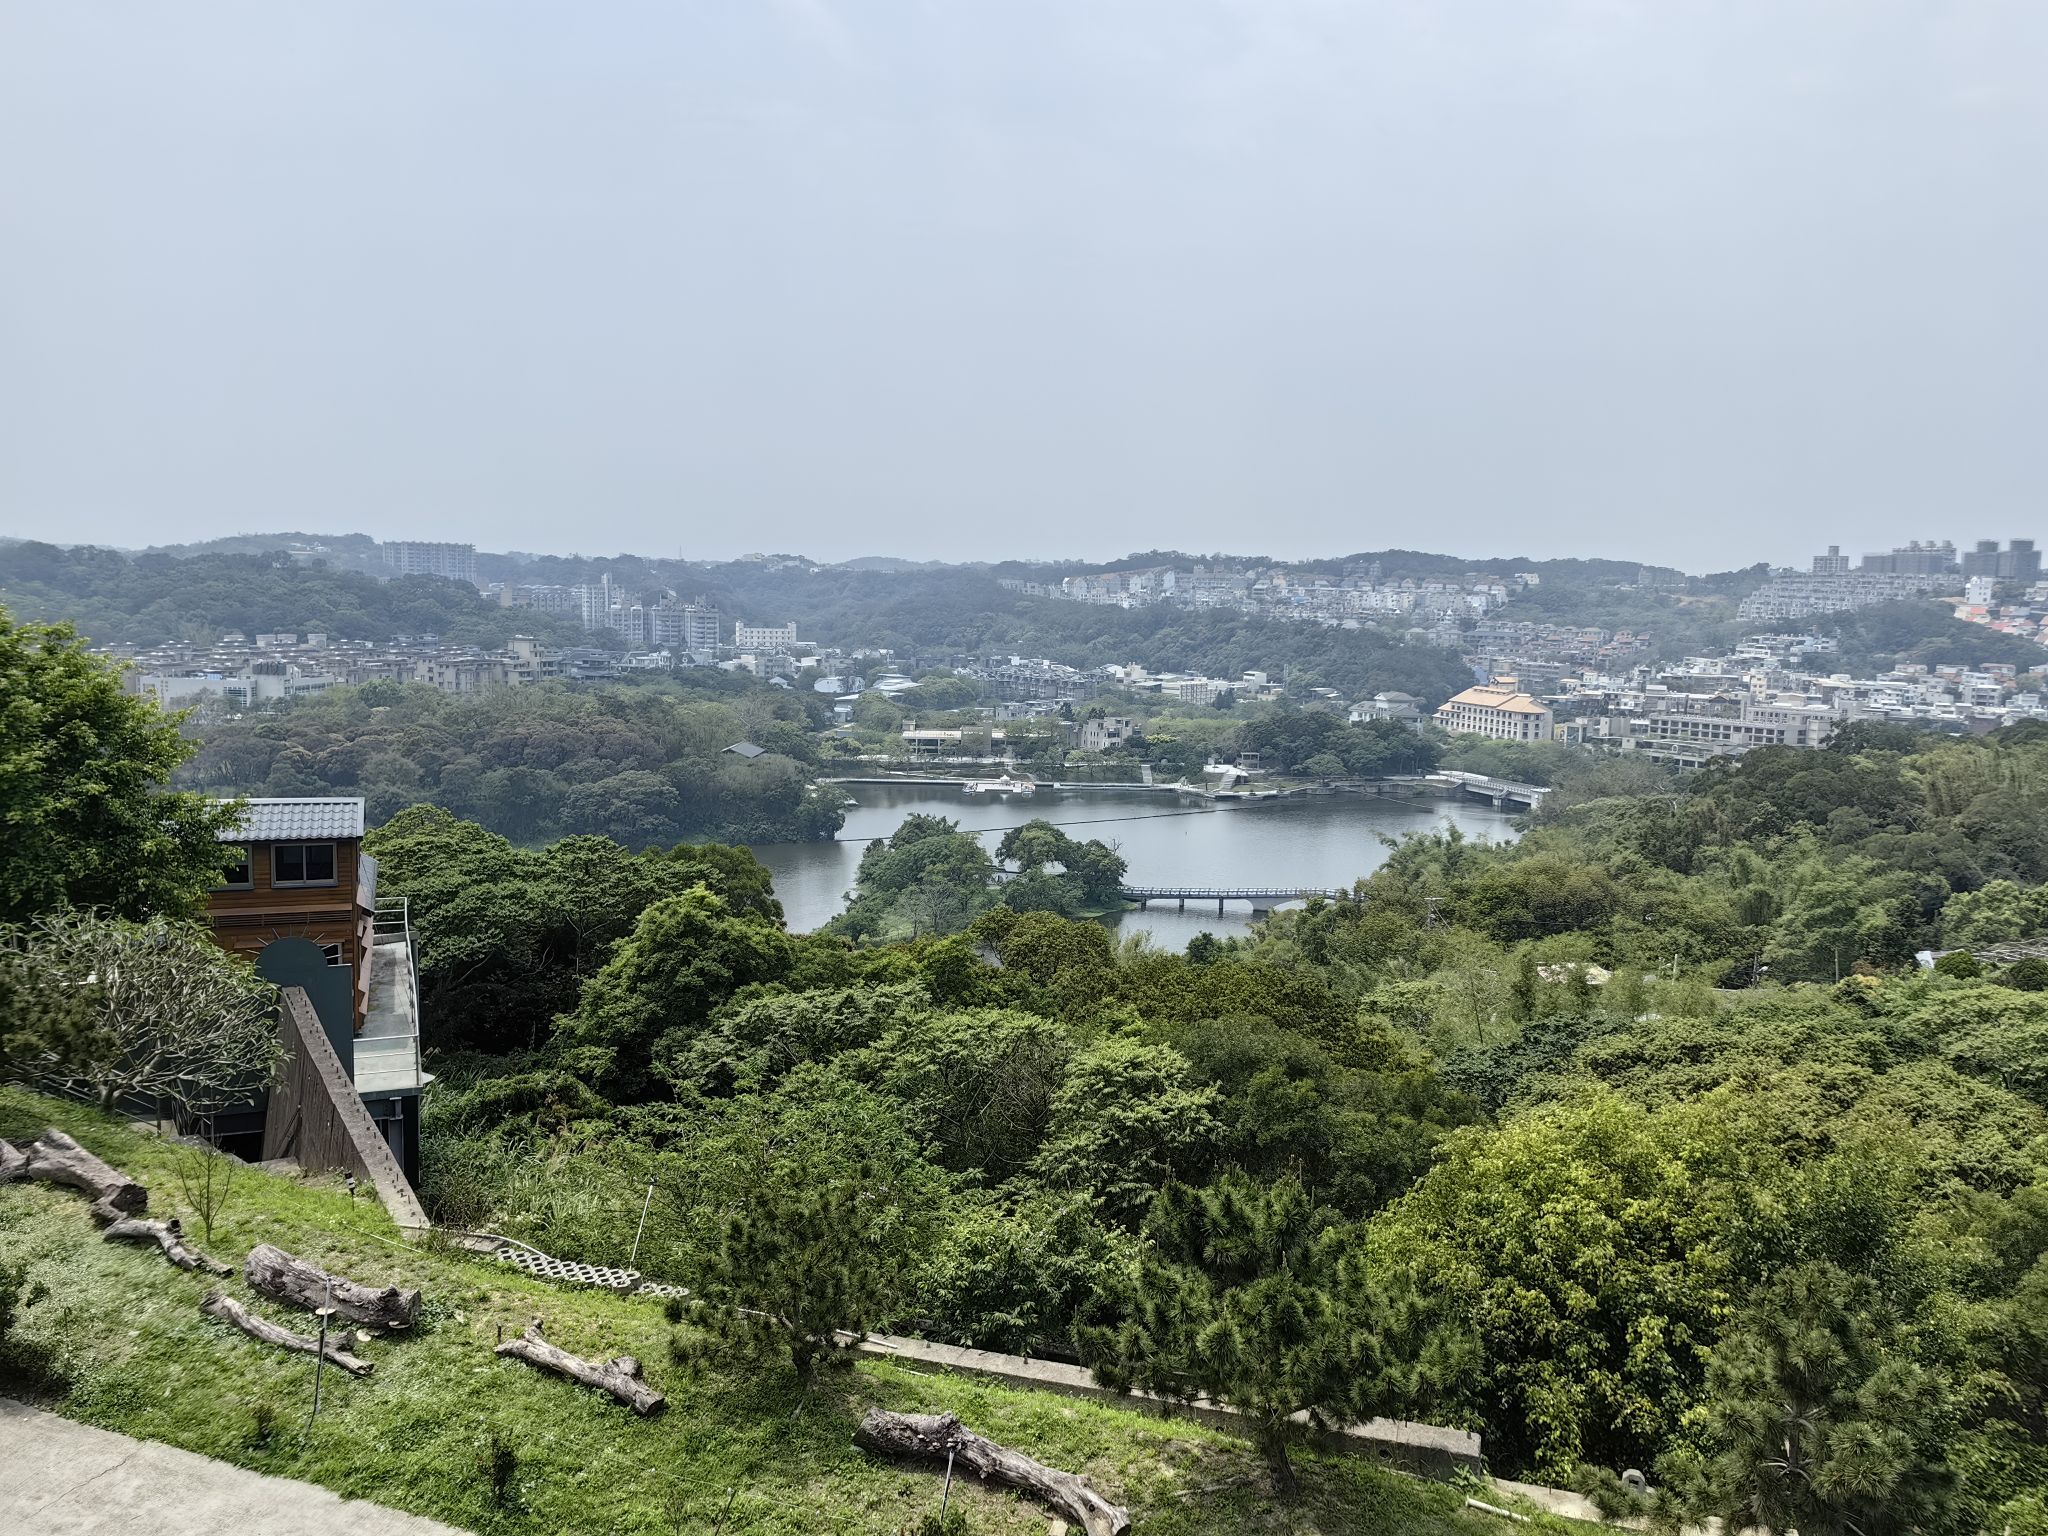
(136, 1356)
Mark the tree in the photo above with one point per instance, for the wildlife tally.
(1234, 1298)
(207, 1178)
(1818, 1421)
(85, 817)
(794, 1269)
(1127, 1118)
(685, 956)
(172, 1016)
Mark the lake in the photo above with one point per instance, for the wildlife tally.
(1309, 842)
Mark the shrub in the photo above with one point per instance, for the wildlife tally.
(1959, 963)
(2029, 975)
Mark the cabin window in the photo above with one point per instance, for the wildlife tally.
(237, 873)
(302, 864)
(333, 954)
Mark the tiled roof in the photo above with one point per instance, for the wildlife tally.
(280, 821)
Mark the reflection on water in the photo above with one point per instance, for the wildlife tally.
(1321, 841)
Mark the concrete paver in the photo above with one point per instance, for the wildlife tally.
(63, 1479)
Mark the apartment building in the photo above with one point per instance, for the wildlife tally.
(410, 557)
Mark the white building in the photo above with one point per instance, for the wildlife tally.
(1497, 709)
(764, 637)
(410, 557)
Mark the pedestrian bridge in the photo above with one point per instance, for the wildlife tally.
(1260, 899)
(1502, 792)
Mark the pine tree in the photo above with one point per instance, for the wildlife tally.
(1234, 1297)
(1819, 1421)
(795, 1270)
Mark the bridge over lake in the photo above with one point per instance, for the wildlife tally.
(1260, 899)
(1502, 793)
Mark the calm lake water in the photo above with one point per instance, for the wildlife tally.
(1321, 841)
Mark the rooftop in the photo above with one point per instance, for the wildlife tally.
(279, 821)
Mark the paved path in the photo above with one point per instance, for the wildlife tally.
(63, 1479)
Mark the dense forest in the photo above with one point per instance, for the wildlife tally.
(1583, 1141)
(642, 763)
(115, 598)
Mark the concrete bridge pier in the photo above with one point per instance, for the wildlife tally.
(1183, 904)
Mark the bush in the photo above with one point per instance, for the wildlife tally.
(1959, 963)
(2030, 975)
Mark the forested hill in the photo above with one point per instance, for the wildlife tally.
(148, 599)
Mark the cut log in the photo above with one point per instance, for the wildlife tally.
(228, 1310)
(57, 1159)
(620, 1376)
(166, 1235)
(274, 1273)
(13, 1162)
(931, 1436)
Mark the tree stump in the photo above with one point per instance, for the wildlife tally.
(228, 1310)
(619, 1376)
(56, 1159)
(274, 1273)
(168, 1236)
(931, 1436)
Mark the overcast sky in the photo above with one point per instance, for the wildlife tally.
(1697, 281)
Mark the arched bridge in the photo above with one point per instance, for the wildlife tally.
(1261, 899)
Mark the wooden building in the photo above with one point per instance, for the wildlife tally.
(303, 875)
(301, 903)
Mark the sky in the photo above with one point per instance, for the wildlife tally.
(1701, 282)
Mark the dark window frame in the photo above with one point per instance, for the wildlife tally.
(248, 880)
(280, 879)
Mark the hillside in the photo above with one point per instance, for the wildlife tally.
(129, 1351)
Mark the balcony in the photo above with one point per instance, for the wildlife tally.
(387, 1052)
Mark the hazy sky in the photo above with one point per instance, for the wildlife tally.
(1700, 281)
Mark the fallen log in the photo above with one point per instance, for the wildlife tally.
(56, 1159)
(230, 1311)
(13, 1162)
(931, 1436)
(274, 1273)
(168, 1236)
(620, 1376)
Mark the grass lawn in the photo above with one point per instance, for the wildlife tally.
(128, 1350)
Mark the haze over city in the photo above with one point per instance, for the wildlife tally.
(1698, 284)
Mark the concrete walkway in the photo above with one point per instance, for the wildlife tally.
(63, 1479)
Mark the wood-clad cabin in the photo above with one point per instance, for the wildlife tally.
(303, 875)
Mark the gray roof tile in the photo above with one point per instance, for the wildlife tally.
(276, 821)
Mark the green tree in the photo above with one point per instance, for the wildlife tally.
(1128, 1118)
(686, 955)
(794, 1269)
(1234, 1297)
(168, 1015)
(86, 819)
(1818, 1421)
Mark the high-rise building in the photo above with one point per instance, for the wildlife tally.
(1914, 559)
(409, 557)
(1833, 563)
(684, 626)
(2018, 561)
